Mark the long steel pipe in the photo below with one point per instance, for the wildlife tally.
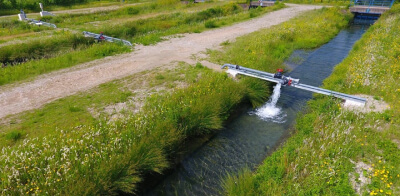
(270, 77)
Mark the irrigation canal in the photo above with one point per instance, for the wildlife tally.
(250, 137)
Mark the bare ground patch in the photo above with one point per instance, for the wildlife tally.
(397, 142)
(357, 179)
(372, 105)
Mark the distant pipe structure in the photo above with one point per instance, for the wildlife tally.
(44, 13)
(22, 17)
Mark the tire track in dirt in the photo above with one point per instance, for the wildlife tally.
(16, 98)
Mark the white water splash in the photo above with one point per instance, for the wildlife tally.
(269, 111)
(232, 72)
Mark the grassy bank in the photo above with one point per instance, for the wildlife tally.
(336, 151)
(19, 53)
(34, 68)
(111, 157)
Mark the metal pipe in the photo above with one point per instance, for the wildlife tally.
(107, 38)
(270, 77)
(43, 23)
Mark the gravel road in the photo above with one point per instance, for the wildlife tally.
(16, 98)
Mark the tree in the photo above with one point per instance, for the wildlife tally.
(13, 3)
(2, 5)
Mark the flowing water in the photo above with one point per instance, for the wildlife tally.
(249, 138)
(269, 111)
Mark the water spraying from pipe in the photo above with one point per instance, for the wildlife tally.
(269, 111)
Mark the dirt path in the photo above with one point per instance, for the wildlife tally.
(16, 98)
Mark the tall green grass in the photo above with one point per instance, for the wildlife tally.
(332, 147)
(39, 49)
(110, 158)
(34, 68)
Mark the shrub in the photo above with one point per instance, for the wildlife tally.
(210, 24)
(132, 10)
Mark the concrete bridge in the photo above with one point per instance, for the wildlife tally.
(370, 8)
(261, 3)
